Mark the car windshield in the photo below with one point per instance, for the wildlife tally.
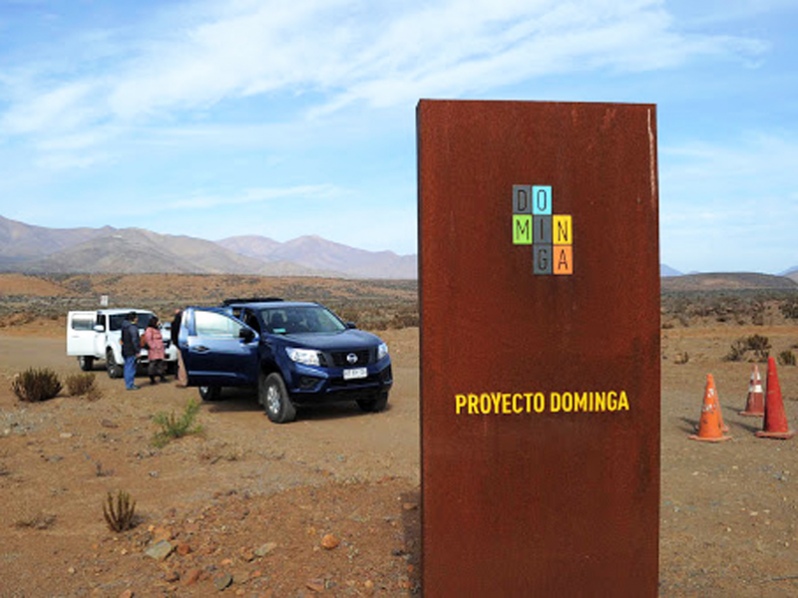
(300, 319)
(118, 319)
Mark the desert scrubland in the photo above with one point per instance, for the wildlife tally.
(330, 504)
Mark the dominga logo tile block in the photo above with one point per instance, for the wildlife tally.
(550, 235)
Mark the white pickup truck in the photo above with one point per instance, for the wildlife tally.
(93, 335)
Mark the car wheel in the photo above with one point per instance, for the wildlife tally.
(114, 369)
(210, 393)
(274, 398)
(374, 405)
(86, 363)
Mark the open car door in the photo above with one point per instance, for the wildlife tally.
(218, 350)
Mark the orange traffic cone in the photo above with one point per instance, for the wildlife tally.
(755, 405)
(775, 419)
(710, 426)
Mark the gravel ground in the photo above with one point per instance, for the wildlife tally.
(330, 504)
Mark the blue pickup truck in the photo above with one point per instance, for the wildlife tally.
(295, 354)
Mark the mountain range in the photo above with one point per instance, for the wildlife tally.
(673, 279)
(39, 250)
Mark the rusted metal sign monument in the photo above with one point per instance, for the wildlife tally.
(540, 380)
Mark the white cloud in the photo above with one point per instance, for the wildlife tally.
(724, 203)
(64, 107)
(745, 166)
(359, 53)
(201, 201)
(714, 12)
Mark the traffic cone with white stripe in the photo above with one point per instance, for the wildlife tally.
(710, 426)
(776, 425)
(755, 404)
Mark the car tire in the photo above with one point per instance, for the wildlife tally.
(210, 393)
(115, 370)
(374, 405)
(273, 395)
(86, 363)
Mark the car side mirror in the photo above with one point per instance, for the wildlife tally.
(246, 334)
(351, 325)
(99, 328)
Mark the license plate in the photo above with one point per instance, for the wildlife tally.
(355, 373)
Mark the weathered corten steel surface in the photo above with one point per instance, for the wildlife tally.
(540, 374)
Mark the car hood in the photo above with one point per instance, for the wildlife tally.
(346, 340)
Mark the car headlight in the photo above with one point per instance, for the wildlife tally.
(305, 356)
(382, 351)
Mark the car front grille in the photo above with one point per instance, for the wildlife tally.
(341, 358)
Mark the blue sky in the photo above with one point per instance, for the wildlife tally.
(282, 119)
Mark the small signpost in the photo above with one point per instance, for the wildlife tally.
(540, 381)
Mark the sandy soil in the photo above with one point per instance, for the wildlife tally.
(255, 509)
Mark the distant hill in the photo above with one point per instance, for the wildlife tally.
(136, 251)
(666, 270)
(323, 255)
(20, 242)
(727, 281)
(35, 249)
(791, 273)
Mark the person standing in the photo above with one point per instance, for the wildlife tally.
(153, 341)
(131, 345)
(182, 376)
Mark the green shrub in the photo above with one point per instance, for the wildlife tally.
(35, 385)
(119, 512)
(174, 426)
(81, 384)
(787, 358)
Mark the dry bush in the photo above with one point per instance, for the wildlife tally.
(213, 452)
(790, 309)
(749, 348)
(101, 472)
(732, 306)
(94, 394)
(38, 521)
(736, 352)
(681, 358)
(787, 358)
(81, 384)
(35, 385)
(119, 512)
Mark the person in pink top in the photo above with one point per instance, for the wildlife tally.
(153, 341)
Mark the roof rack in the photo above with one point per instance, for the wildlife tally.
(251, 300)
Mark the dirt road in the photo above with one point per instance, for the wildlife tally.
(334, 471)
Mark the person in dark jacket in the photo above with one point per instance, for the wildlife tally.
(131, 345)
(182, 376)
